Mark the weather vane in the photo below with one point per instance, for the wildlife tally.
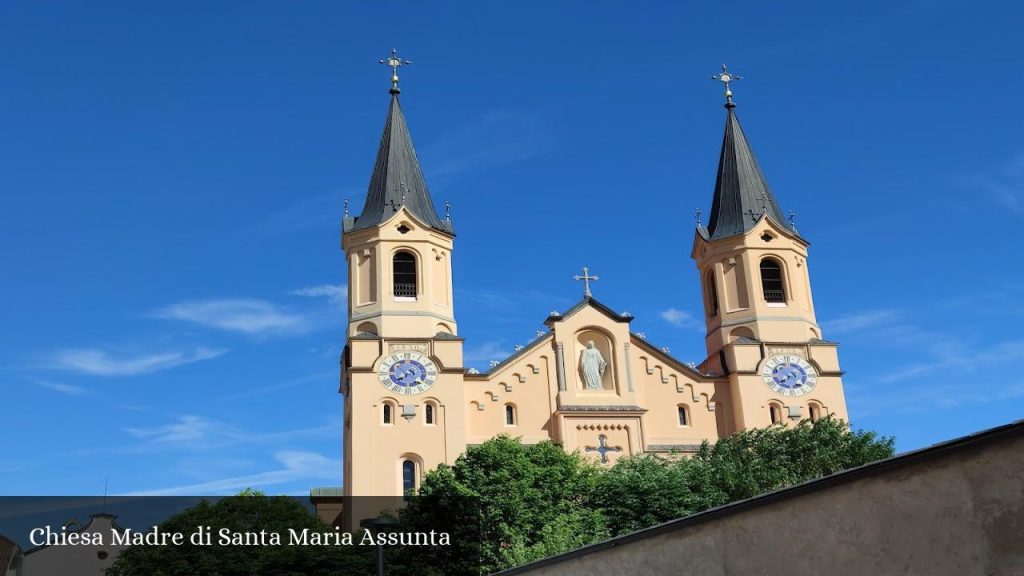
(725, 77)
(395, 63)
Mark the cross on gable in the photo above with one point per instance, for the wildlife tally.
(603, 448)
(586, 277)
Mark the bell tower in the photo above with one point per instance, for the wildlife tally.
(402, 365)
(759, 313)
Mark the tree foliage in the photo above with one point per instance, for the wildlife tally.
(249, 511)
(530, 501)
(536, 501)
(505, 503)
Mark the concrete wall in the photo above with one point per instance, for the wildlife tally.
(955, 508)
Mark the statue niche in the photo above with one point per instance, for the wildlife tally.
(595, 364)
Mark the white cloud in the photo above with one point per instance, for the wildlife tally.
(680, 319)
(68, 389)
(335, 293)
(497, 138)
(858, 321)
(315, 211)
(1007, 184)
(295, 466)
(99, 362)
(484, 352)
(245, 315)
(189, 432)
(188, 429)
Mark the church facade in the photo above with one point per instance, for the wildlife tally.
(588, 382)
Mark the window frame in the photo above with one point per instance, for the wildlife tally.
(683, 416)
(780, 295)
(403, 294)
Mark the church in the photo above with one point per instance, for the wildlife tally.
(588, 383)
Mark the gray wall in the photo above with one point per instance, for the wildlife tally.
(954, 509)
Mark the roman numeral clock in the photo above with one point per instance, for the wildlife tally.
(407, 373)
(789, 375)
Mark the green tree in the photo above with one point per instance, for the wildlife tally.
(753, 462)
(646, 490)
(249, 511)
(526, 501)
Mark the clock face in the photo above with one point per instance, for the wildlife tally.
(789, 375)
(407, 373)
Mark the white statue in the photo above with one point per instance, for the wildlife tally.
(592, 365)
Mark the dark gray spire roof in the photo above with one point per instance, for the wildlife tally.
(742, 194)
(397, 175)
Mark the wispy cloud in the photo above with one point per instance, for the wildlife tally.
(99, 362)
(188, 429)
(499, 137)
(335, 293)
(192, 432)
(857, 321)
(1006, 184)
(681, 319)
(68, 389)
(294, 465)
(291, 383)
(245, 315)
(315, 211)
(484, 352)
(963, 363)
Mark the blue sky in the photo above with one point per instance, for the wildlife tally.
(172, 178)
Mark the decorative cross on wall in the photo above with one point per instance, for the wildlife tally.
(603, 448)
(586, 281)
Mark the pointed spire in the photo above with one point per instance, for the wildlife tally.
(397, 179)
(742, 194)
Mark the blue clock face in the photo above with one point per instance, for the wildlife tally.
(407, 373)
(789, 375)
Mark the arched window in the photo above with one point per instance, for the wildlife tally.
(408, 477)
(771, 281)
(386, 413)
(712, 294)
(404, 275)
(510, 415)
(813, 411)
(776, 412)
(428, 413)
(684, 416)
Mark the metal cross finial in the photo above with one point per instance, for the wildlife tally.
(448, 211)
(603, 448)
(792, 219)
(395, 63)
(586, 281)
(725, 77)
(697, 214)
